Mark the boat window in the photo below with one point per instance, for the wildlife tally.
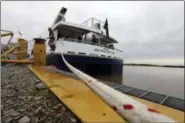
(66, 37)
(79, 39)
(59, 36)
(111, 46)
(94, 39)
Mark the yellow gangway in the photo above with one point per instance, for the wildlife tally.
(84, 103)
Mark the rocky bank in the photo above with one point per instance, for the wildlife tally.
(25, 99)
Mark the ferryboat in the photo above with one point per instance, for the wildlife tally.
(86, 46)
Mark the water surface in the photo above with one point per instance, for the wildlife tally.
(168, 81)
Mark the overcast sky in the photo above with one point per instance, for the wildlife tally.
(144, 29)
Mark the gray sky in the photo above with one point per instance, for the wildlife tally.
(144, 29)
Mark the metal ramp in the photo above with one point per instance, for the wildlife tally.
(174, 102)
(158, 101)
(169, 101)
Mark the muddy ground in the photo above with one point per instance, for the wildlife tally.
(25, 99)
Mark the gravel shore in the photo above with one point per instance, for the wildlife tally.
(25, 99)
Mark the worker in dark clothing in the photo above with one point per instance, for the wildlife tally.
(51, 39)
(51, 36)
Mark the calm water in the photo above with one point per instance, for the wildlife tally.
(168, 81)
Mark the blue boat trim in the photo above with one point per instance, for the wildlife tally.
(98, 67)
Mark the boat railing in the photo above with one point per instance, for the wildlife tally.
(91, 43)
(82, 41)
(91, 21)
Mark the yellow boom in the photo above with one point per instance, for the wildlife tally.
(8, 33)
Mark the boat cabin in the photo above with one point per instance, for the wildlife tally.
(90, 32)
